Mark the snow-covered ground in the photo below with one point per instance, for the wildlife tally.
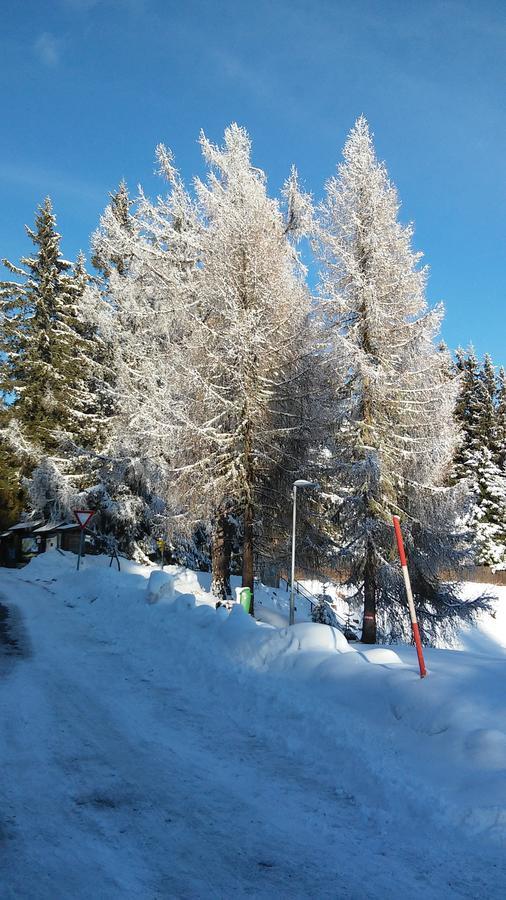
(160, 750)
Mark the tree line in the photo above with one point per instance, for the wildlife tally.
(183, 385)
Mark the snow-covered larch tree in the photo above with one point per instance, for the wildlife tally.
(245, 365)
(146, 253)
(210, 319)
(394, 432)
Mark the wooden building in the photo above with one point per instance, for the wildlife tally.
(19, 544)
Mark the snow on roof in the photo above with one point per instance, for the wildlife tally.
(26, 526)
(63, 526)
(45, 528)
(41, 528)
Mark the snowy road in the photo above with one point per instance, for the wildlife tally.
(135, 767)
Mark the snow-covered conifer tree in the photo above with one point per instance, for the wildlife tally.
(488, 516)
(394, 430)
(488, 417)
(105, 258)
(52, 368)
(501, 421)
(211, 315)
(479, 456)
(468, 410)
(47, 354)
(245, 375)
(11, 491)
(144, 253)
(30, 310)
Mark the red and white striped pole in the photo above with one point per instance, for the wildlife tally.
(409, 594)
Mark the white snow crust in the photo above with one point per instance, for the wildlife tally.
(173, 750)
(160, 586)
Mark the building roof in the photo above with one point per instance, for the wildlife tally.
(38, 527)
(44, 529)
(52, 529)
(26, 526)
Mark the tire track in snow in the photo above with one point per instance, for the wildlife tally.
(179, 782)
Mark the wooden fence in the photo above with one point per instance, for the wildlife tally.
(478, 574)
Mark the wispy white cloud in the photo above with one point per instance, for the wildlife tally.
(237, 70)
(45, 182)
(47, 48)
(134, 6)
(81, 5)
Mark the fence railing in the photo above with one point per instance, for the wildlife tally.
(301, 591)
(479, 574)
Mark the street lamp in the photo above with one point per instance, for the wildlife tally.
(301, 483)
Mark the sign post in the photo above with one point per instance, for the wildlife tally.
(82, 516)
(409, 594)
(114, 555)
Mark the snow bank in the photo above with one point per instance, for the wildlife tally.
(437, 745)
(445, 727)
(160, 586)
(320, 637)
(141, 739)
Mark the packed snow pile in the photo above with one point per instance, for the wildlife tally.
(175, 749)
(160, 586)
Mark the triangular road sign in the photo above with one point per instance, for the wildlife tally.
(83, 516)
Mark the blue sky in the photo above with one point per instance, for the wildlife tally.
(89, 87)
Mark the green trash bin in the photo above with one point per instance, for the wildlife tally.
(245, 598)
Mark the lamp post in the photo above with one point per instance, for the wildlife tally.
(301, 483)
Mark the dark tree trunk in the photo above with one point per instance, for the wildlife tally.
(221, 551)
(369, 623)
(247, 547)
(247, 553)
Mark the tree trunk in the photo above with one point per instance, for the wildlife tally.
(220, 554)
(369, 623)
(247, 553)
(247, 546)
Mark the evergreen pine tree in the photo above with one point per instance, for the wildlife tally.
(46, 351)
(488, 517)
(469, 411)
(501, 421)
(479, 456)
(33, 356)
(109, 254)
(52, 367)
(488, 418)
(12, 495)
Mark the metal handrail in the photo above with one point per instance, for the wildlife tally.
(313, 601)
